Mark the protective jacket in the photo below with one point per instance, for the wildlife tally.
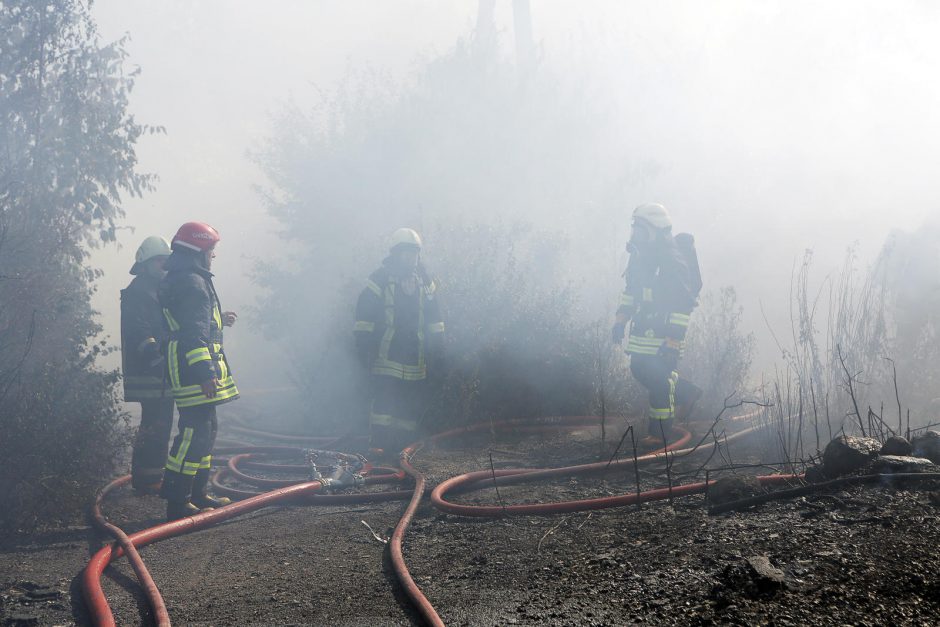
(142, 335)
(396, 330)
(659, 297)
(194, 325)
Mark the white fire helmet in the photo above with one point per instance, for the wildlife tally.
(653, 214)
(404, 237)
(153, 246)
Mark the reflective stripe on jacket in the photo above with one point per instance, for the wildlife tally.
(193, 318)
(393, 328)
(659, 299)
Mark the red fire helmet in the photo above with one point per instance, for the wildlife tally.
(196, 236)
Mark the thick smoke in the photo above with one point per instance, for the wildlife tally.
(767, 129)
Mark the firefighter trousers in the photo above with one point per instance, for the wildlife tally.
(191, 453)
(397, 406)
(151, 442)
(659, 375)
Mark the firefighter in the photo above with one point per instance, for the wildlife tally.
(662, 287)
(197, 369)
(399, 336)
(142, 336)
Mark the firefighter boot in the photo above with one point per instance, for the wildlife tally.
(176, 489)
(181, 509)
(200, 497)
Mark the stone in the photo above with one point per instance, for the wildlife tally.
(884, 464)
(43, 593)
(896, 445)
(927, 444)
(734, 488)
(754, 577)
(848, 453)
(766, 575)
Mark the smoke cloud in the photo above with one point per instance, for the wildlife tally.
(766, 129)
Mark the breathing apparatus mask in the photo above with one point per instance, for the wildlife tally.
(641, 236)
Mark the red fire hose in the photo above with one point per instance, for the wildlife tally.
(101, 612)
(402, 574)
(485, 478)
(161, 617)
(562, 506)
(91, 579)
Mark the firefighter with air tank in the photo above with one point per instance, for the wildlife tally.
(198, 372)
(662, 286)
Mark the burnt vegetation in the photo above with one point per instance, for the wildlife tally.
(848, 366)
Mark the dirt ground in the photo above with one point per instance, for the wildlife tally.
(864, 556)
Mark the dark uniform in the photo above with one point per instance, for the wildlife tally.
(194, 355)
(398, 325)
(142, 336)
(659, 297)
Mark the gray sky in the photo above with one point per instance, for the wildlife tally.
(775, 126)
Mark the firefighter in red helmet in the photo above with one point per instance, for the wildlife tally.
(198, 372)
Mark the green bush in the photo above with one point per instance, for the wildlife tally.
(62, 439)
(68, 154)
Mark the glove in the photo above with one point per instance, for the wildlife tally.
(210, 388)
(617, 332)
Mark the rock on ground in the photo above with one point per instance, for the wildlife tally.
(899, 463)
(896, 445)
(848, 453)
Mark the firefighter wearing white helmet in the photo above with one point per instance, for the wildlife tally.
(399, 338)
(653, 214)
(142, 334)
(404, 237)
(661, 290)
(152, 248)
